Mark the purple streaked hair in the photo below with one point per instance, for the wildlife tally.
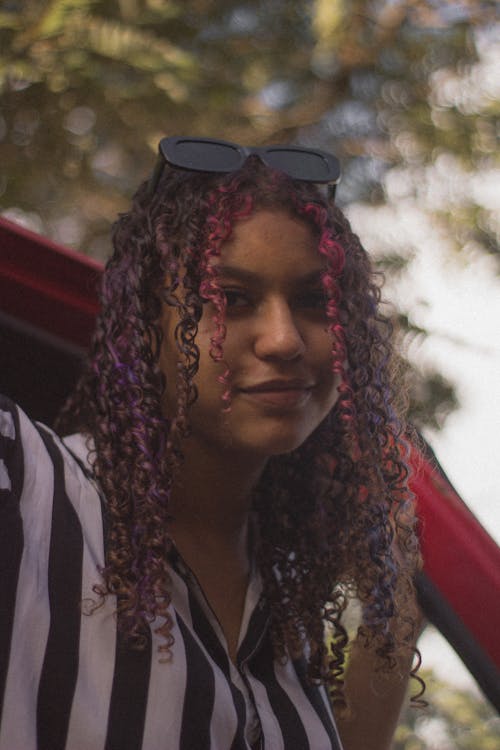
(330, 513)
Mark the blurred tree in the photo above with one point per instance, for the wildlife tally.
(455, 719)
(402, 91)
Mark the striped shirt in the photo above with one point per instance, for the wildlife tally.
(66, 684)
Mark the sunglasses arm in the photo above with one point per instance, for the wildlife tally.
(330, 191)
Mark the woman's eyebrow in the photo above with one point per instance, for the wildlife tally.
(245, 275)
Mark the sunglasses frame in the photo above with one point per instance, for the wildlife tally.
(166, 155)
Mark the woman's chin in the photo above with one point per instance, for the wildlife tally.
(267, 444)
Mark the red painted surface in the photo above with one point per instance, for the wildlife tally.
(46, 285)
(460, 557)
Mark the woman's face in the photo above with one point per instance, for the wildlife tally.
(277, 346)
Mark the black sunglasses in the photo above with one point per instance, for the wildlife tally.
(212, 155)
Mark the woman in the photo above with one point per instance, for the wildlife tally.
(180, 564)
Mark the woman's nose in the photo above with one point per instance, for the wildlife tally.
(278, 336)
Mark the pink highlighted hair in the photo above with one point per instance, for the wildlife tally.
(335, 515)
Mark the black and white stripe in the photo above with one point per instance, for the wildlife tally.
(65, 684)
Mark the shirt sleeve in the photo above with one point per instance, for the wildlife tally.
(11, 463)
(11, 526)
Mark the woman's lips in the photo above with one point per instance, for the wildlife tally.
(290, 394)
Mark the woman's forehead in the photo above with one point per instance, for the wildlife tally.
(269, 228)
(255, 239)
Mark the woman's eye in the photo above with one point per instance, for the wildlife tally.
(314, 299)
(236, 298)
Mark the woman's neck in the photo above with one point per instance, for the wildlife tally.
(212, 495)
(211, 504)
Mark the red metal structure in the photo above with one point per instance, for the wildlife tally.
(48, 303)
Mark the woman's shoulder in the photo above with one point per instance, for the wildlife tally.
(17, 430)
(19, 440)
(35, 463)
(24, 437)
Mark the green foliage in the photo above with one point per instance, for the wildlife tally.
(89, 86)
(455, 719)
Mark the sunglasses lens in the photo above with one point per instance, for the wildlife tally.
(206, 156)
(211, 155)
(301, 165)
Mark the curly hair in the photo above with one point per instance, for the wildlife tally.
(335, 515)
